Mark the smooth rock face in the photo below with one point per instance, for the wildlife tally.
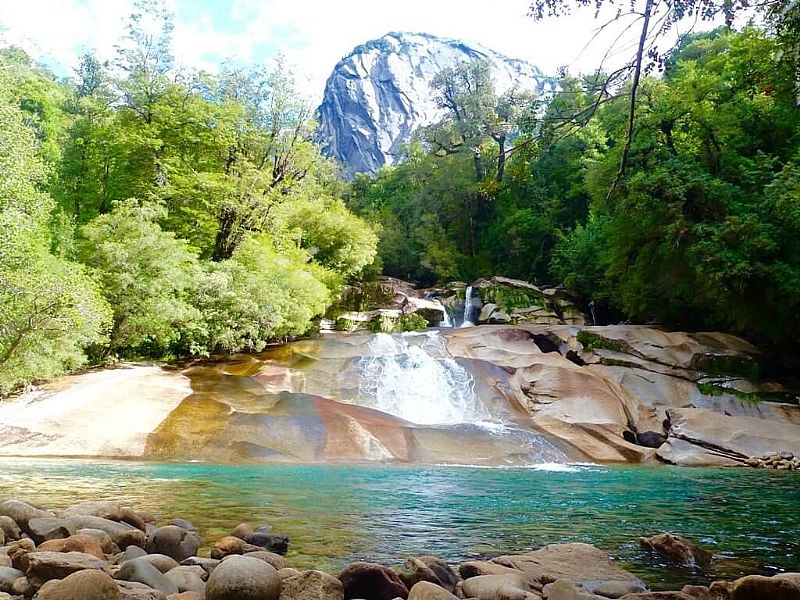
(243, 578)
(380, 94)
(370, 581)
(569, 393)
(83, 585)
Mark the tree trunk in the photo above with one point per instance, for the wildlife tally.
(501, 158)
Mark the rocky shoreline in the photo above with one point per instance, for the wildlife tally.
(107, 551)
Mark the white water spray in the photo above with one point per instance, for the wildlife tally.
(419, 385)
(468, 308)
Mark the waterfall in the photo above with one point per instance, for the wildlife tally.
(468, 308)
(416, 382)
(448, 322)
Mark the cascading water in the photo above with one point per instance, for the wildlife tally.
(412, 376)
(417, 383)
(468, 308)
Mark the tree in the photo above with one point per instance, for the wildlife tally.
(474, 114)
(49, 309)
(145, 274)
(256, 296)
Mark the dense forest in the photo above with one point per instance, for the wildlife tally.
(700, 231)
(148, 211)
(152, 211)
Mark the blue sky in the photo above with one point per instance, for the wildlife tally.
(312, 34)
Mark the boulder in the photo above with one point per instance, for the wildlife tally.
(107, 510)
(7, 577)
(130, 553)
(268, 541)
(186, 596)
(370, 581)
(142, 571)
(207, 564)
(183, 524)
(243, 578)
(615, 589)
(657, 596)
(241, 530)
(9, 528)
(133, 590)
(678, 550)
(428, 568)
(17, 552)
(785, 586)
(74, 543)
(105, 541)
(287, 572)
(230, 545)
(22, 512)
(173, 541)
(48, 528)
(161, 562)
(576, 562)
(312, 585)
(41, 567)
(425, 590)
(186, 579)
(82, 585)
(698, 592)
(564, 589)
(23, 587)
(276, 560)
(474, 568)
(486, 587)
(123, 534)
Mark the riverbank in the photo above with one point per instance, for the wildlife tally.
(106, 550)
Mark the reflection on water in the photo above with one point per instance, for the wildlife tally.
(336, 514)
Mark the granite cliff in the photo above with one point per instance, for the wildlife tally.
(379, 94)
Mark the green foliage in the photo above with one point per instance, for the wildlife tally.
(49, 308)
(256, 296)
(146, 275)
(333, 236)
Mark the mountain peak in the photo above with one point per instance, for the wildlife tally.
(379, 94)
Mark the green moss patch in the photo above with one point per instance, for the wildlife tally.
(509, 298)
(591, 340)
(743, 366)
(710, 388)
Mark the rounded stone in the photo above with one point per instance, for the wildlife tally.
(243, 578)
(372, 581)
(83, 585)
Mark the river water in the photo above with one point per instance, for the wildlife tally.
(337, 514)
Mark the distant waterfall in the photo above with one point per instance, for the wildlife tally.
(417, 384)
(468, 308)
